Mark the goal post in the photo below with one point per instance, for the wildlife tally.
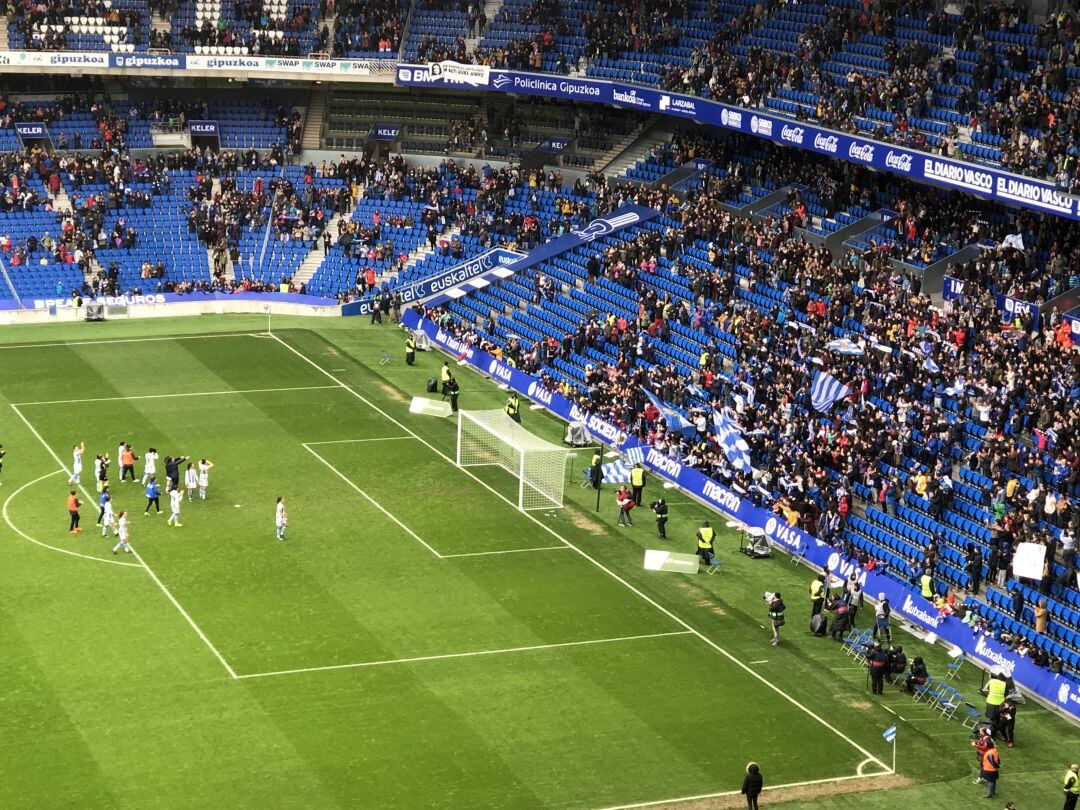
(492, 438)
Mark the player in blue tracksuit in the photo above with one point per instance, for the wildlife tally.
(153, 493)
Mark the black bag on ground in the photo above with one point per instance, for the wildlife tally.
(432, 385)
(818, 625)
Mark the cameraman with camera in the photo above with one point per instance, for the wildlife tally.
(776, 608)
(660, 509)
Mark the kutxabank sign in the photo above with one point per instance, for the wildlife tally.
(975, 179)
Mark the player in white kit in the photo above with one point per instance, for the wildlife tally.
(122, 534)
(76, 462)
(149, 465)
(176, 497)
(191, 480)
(281, 519)
(204, 476)
(108, 518)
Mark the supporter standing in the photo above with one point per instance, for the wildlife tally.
(752, 785)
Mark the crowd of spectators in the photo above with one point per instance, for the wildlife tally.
(921, 373)
(368, 28)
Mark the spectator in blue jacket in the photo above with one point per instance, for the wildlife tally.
(153, 495)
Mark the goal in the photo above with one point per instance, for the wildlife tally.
(492, 438)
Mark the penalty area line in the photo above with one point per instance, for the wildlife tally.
(599, 565)
(142, 562)
(181, 394)
(472, 654)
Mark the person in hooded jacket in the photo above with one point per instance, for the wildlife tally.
(751, 786)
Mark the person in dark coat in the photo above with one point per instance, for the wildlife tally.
(751, 785)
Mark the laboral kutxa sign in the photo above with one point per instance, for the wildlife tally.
(979, 180)
(1055, 689)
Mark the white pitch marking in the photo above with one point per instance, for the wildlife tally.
(25, 536)
(504, 551)
(354, 441)
(142, 562)
(592, 560)
(863, 764)
(759, 662)
(721, 794)
(124, 340)
(182, 394)
(473, 654)
(373, 502)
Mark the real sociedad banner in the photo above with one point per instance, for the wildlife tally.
(906, 602)
(921, 166)
(1010, 308)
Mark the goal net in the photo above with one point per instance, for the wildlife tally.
(492, 438)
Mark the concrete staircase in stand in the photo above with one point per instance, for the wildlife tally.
(4, 45)
(632, 148)
(313, 119)
(491, 8)
(315, 256)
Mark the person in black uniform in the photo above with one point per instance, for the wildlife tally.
(452, 390)
(878, 662)
(1006, 721)
(897, 663)
(660, 509)
(3, 453)
(751, 786)
(172, 471)
(596, 468)
(917, 675)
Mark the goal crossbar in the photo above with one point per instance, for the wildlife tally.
(492, 438)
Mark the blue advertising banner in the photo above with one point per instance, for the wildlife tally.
(556, 143)
(155, 61)
(1057, 690)
(31, 130)
(384, 132)
(459, 274)
(1010, 308)
(203, 129)
(979, 180)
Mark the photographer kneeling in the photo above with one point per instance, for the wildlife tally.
(776, 614)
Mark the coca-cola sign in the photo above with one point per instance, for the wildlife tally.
(826, 143)
(900, 161)
(863, 152)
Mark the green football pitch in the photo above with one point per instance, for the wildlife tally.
(416, 641)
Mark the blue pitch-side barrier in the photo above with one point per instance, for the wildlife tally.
(1059, 691)
(982, 181)
(487, 266)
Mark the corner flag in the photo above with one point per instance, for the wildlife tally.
(889, 734)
